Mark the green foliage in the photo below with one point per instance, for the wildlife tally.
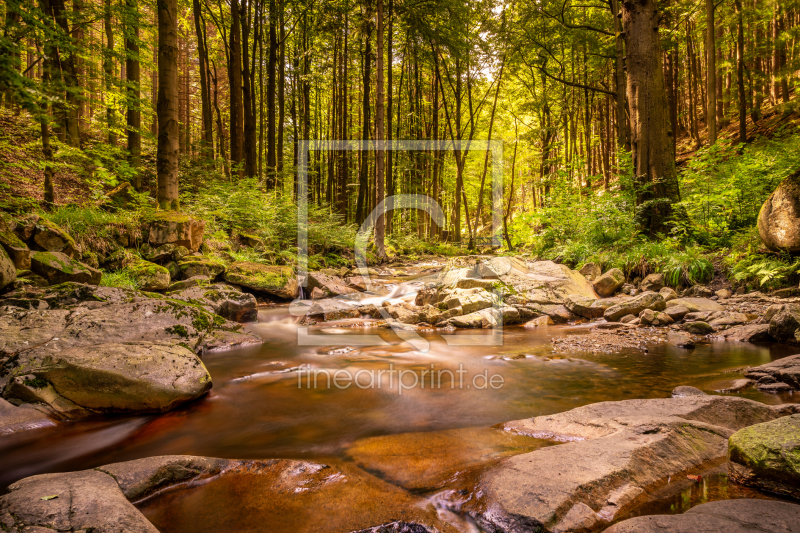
(123, 279)
(94, 229)
(688, 267)
(764, 271)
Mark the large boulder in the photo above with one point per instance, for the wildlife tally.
(653, 282)
(785, 370)
(634, 306)
(149, 276)
(8, 273)
(170, 227)
(57, 267)
(197, 265)
(779, 218)
(609, 283)
(17, 250)
(225, 300)
(470, 300)
(329, 285)
(747, 333)
(696, 305)
(51, 238)
(785, 322)
(115, 377)
(591, 271)
(767, 456)
(275, 280)
(729, 516)
(614, 453)
(75, 501)
(586, 307)
(13, 418)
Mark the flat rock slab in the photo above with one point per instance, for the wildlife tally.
(695, 305)
(13, 418)
(728, 516)
(613, 453)
(785, 370)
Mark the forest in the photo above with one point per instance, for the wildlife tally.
(607, 128)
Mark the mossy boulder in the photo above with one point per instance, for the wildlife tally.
(779, 218)
(7, 271)
(193, 265)
(119, 377)
(57, 267)
(120, 197)
(17, 250)
(52, 238)
(170, 227)
(609, 283)
(275, 280)
(767, 456)
(150, 276)
(225, 300)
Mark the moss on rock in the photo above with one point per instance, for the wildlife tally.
(276, 280)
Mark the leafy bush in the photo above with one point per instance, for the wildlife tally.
(94, 229)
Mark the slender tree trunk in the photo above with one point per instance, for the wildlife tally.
(281, 95)
(154, 79)
(740, 72)
(759, 77)
(271, 66)
(248, 87)
(167, 152)
(363, 184)
(380, 156)
(134, 114)
(623, 132)
(207, 142)
(108, 68)
(235, 89)
(48, 68)
(654, 166)
(389, 114)
(711, 63)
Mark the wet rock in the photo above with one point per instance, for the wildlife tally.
(730, 516)
(779, 218)
(144, 477)
(75, 501)
(330, 309)
(17, 250)
(634, 306)
(396, 527)
(404, 315)
(680, 339)
(358, 283)
(685, 390)
(543, 320)
(627, 319)
(317, 294)
(696, 304)
(487, 318)
(591, 271)
(275, 280)
(57, 267)
(785, 370)
(51, 238)
(698, 328)
(8, 273)
(470, 300)
(766, 455)
(559, 313)
(226, 301)
(170, 227)
(13, 419)
(774, 388)
(328, 284)
(140, 377)
(723, 294)
(653, 282)
(35, 390)
(668, 294)
(609, 283)
(636, 444)
(149, 276)
(585, 307)
(784, 324)
(728, 319)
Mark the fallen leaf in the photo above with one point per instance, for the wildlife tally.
(51, 497)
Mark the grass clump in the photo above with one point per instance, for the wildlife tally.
(123, 279)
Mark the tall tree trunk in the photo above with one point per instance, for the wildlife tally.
(654, 167)
(66, 63)
(207, 142)
(271, 66)
(380, 156)
(235, 89)
(623, 132)
(78, 36)
(281, 96)
(134, 114)
(758, 77)
(711, 77)
(248, 86)
(740, 72)
(389, 114)
(363, 185)
(154, 79)
(108, 68)
(48, 70)
(167, 151)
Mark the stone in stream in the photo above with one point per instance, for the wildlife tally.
(149, 276)
(609, 283)
(767, 456)
(227, 301)
(728, 516)
(634, 306)
(34, 390)
(686, 390)
(470, 300)
(122, 377)
(680, 339)
(57, 267)
(328, 284)
(695, 305)
(614, 451)
(785, 322)
(278, 281)
(487, 318)
(697, 328)
(728, 319)
(14, 418)
(585, 307)
(747, 333)
(785, 370)
(543, 320)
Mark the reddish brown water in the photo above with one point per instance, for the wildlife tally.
(257, 410)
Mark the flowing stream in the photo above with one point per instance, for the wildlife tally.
(261, 405)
